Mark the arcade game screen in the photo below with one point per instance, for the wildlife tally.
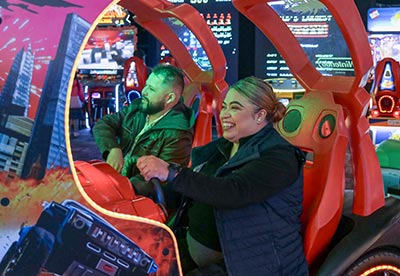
(384, 45)
(383, 20)
(223, 20)
(192, 44)
(384, 34)
(107, 48)
(319, 36)
(110, 45)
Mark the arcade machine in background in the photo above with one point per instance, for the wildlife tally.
(136, 73)
(384, 114)
(385, 122)
(384, 39)
(319, 36)
(101, 64)
(385, 94)
(223, 20)
(286, 89)
(168, 59)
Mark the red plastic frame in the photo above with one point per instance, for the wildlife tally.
(211, 84)
(323, 207)
(347, 91)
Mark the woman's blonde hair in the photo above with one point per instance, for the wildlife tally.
(261, 94)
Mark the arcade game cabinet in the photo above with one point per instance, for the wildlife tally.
(102, 64)
(386, 89)
(70, 239)
(384, 121)
(388, 153)
(345, 232)
(135, 75)
(95, 247)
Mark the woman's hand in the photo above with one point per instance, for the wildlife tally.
(151, 166)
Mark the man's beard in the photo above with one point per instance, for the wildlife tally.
(151, 108)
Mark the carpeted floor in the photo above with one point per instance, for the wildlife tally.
(84, 147)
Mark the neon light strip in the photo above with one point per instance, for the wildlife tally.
(380, 106)
(381, 268)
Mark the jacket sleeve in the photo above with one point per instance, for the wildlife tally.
(107, 129)
(177, 147)
(252, 183)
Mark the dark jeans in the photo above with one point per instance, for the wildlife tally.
(217, 269)
(186, 261)
(190, 268)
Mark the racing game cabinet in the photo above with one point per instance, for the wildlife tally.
(133, 222)
(346, 232)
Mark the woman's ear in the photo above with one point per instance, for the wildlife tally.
(261, 115)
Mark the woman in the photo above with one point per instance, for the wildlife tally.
(247, 189)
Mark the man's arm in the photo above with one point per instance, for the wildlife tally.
(177, 148)
(106, 133)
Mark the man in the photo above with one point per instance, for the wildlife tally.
(158, 124)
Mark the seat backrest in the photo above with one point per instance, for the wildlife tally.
(199, 98)
(315, 124)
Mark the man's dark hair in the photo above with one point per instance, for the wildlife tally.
(139, 53)
(172, 75)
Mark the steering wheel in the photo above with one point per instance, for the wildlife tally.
(157, 194)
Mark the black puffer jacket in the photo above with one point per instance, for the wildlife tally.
(257, 196)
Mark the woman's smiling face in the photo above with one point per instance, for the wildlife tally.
(238, 117)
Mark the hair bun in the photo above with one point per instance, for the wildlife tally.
(279, 111)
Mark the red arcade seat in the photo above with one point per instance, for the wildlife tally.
(316, 125)
(114, 192)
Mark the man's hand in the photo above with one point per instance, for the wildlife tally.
(151, 166)
(116, 159)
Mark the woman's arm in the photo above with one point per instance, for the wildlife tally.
(251, 183)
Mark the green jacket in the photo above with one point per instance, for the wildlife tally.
(169, 139)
